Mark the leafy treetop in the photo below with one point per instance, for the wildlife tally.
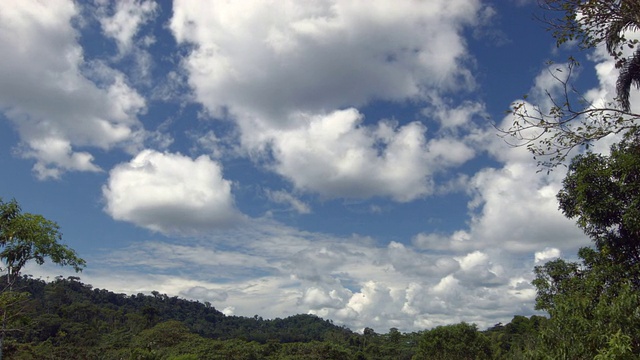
(25, 237)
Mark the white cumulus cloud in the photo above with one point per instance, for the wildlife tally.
(285, 75)
(253, 57)
(336, 156)
(170, 193)
(546, 254)
(47, 97)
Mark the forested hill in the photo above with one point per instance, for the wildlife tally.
(66, 319)
(70, 313)
(72, 301)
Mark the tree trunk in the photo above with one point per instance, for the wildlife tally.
(3, 331)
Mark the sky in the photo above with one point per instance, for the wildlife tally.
(273, 158)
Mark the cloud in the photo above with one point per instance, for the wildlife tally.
(335, 156)
(291, 78)
(268, 269)
(48, 96)
(451, 117)
(126, 19)
(546, 255)
(476, 268)
(458, 241)
(293, 82)
(316, 298)
(283, 197)
(124, 22)
(255, 58)
(411, 262)
(515, 208)
(170, 193)
(515, 224)
(203, 293)
(318, 264)
(169, 257)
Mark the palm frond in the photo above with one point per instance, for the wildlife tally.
(629, 75)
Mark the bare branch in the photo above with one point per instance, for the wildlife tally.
(552, 133)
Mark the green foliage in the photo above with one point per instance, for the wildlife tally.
(313, 350)
(12, 312)
(584, 325)
(71, 320)
(553, 278)
(603, 194)
(592, 22)
(594, 304)
(583, 311)
(618, 348)
(166, 334)
(517, 339)
(25, 237)
(184, 357)
(459, 341)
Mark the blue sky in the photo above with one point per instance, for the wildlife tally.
(273, 158)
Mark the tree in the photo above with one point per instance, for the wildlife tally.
(594, 303)
(592, 22)
(593, 309)
(517, 339)
(603, 194)
(570, 121)
(25, 237)
(459, 341)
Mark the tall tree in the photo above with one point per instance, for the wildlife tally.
(593, 308)
(26, 237)
(594, 303)
(551, 132)
(603, 194)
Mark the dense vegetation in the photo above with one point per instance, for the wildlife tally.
(66, 319)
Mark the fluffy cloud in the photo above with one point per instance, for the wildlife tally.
(317, 298)
(337, 157)
(56, 100)
(277, 271)
(513, 206)
(408, 261)
(252, 57)
(451, 117)
(449, 290)
(281, 73)
(476, 268)
(516, 208)
(546, 255)
(170, 193)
